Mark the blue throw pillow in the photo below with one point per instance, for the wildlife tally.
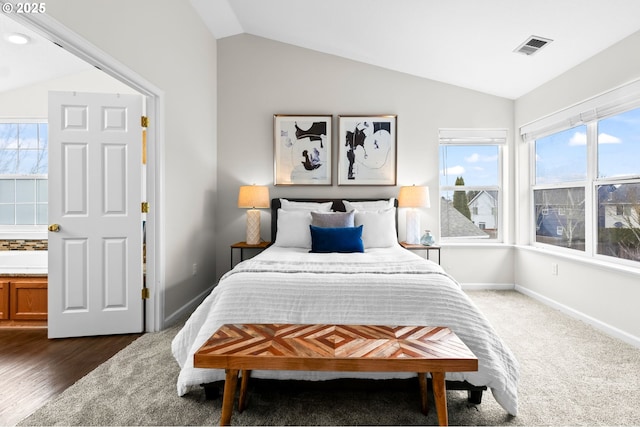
(336, 239)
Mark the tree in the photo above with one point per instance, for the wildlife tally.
(471, 194)
(460, 201)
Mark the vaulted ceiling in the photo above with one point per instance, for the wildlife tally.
(468, 43)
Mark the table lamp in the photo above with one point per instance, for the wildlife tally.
(413, 197)
(252, 197)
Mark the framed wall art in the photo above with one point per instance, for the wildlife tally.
(367, 150)
(302, 149)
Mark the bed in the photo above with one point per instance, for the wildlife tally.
(336, 261)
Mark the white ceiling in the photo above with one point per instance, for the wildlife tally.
(39, 60)
(467, 43)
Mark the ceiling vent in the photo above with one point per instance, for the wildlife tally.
(532, 45)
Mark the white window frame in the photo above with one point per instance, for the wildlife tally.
(588, 113)
(474, 137)
(30, 232)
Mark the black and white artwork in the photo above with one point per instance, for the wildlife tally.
(302, 150)
(367, 150)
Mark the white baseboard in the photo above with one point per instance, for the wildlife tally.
(186, 309)
(601, 326)
(487, 286)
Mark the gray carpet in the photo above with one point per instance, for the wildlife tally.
(571, 374)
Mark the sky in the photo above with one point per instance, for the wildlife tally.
(561, 157)
(476, 164)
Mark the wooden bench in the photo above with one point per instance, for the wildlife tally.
(352, 348)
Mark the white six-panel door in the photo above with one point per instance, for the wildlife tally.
(95, 256)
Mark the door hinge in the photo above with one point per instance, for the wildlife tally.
(144, 121)
(144, 207)
(145, 293)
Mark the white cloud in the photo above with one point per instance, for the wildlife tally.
(605, 138)
(454, 170)
(475, 158)
(578, 138)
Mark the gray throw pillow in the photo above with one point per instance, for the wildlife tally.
(332, 219)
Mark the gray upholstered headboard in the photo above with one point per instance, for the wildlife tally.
(338, 206)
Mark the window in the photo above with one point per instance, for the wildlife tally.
(23, 174)
(471, 184)
(586, 190)
(570, 166)
(619, 145)
(618, 185)
(560, 207)
(558, 194)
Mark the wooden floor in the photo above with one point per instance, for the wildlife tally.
(33, 369)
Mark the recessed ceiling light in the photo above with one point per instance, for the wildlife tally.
(17, 38)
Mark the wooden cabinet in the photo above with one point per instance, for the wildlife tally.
(23, 301)
(4, 300)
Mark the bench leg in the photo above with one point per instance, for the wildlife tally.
(229, 395)
(244, 383)
(424, 401)
(440, 396)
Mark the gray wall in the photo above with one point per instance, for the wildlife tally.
(258, 78)
(167, 43)
(603, 293)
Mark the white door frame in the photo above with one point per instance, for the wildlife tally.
(155, 254)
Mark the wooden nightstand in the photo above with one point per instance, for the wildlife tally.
(419, 247)
(244, 245)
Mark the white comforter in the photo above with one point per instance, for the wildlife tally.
(381, 286)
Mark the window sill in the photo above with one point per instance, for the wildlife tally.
(468, 244)
(591, 261)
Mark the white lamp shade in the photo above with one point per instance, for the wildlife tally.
(415, 196)
(253, 196)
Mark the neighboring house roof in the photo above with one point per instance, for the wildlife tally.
(492, 194)
(454, 224)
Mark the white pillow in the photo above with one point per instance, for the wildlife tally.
(376, 205)
(293, 229)
(379, 229)
(289, 205)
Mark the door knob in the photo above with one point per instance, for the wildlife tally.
(54, 227)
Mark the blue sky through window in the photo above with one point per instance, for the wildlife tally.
(562, 157)
(477, 164)
(619, 145)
